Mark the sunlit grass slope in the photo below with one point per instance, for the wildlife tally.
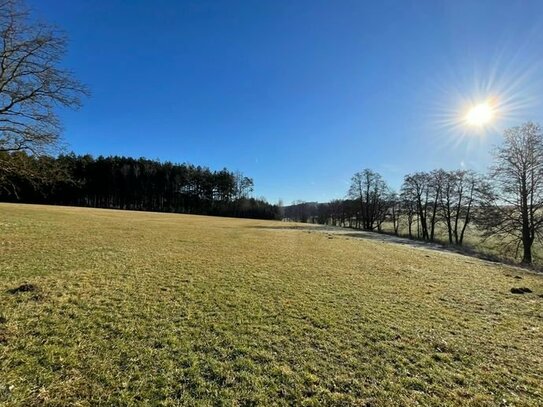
(131, 308)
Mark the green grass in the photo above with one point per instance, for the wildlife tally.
(503, 248)
(138, 308)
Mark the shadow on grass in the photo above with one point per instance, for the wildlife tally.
(316, 228)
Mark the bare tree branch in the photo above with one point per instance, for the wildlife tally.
(32, 85)
(512, 209)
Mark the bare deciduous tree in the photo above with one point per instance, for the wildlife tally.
(395, 209)
(416, 189)
(243, 186)
(32, 85)
(461, 190)
(370, 191)
(435, 186)
(514, 209)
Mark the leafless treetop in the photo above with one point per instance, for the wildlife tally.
(32, 85)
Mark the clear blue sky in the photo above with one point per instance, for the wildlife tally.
(299, 95)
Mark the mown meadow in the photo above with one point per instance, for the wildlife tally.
(105, 307)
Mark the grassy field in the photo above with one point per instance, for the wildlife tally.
(101, 307)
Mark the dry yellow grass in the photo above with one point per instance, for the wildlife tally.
(134, 308)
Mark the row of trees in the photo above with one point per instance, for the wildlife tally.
(506, 203)
(128, 183)
(32, 86)
(425, 199)
(429, 198)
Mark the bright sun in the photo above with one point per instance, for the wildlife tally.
(480, 114)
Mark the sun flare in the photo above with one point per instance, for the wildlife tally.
(480, 115)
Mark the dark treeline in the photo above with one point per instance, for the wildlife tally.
(128, 183)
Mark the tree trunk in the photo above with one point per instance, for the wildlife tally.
(433, 220)
(526, 235)
(467, 217)
(527, 246)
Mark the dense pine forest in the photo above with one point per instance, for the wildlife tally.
(129, 183)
